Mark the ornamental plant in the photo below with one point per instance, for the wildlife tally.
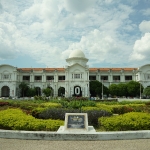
(125, 122)
(16, 119)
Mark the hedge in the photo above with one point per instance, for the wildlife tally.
(128, 121)
(15, 119)
(55, 113)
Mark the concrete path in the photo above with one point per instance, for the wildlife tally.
(15, 144)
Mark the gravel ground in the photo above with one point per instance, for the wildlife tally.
(15, 144)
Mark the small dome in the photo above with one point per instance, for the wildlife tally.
(77, 53)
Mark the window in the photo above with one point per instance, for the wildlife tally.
(92, 77)
(26, 78)
(116, 78)
(104, 78)
(49, 77)
(61, 77)
(38, 78)
(6, 76)
(128, 77)
(77, 76)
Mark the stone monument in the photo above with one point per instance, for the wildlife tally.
(76, 123)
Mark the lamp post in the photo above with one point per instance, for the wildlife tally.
(139, 83)
(140, 90)
(102, 89)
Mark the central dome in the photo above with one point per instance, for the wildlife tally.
(77, 53)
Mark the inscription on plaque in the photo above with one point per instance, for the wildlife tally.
(76, 121)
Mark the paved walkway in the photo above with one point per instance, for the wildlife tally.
(15, 144)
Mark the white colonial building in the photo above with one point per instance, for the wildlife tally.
(74, 78)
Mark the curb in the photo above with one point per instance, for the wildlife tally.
(54, 136)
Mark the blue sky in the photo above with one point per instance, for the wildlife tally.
(42, 33)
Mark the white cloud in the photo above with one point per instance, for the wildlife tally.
(144, 26)
(46, 29)
(78, 6)
(146, 12)
(141, 49)
(100, 46)
(7, 49)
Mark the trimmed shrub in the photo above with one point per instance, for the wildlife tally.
(15, 119)
(122, 109)
(55, 113)
(77, 104)
(128, 121)
(105, 107)
(93, 115)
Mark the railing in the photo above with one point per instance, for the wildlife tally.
(61, 80)
(116, 80)
(26, 80)
(49, 80)
(128, 80)
(104, 80)
(37, 80)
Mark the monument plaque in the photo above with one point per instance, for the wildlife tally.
(76, 121)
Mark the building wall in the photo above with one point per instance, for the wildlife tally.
(11, 77)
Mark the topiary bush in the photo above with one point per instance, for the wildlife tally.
(128, 121)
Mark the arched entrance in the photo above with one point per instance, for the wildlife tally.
(77, 91)
(38, 91)
(61, 91)
(5, 91)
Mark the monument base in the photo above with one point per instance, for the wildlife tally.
(62, 130)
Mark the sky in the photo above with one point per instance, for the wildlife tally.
(42, 33)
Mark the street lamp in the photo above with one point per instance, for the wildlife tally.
(140, 90)
(140, 85)
(102, 88)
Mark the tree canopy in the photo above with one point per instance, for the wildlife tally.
(133, 88)
(47, 91)
(96, 89)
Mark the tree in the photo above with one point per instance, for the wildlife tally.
(114, 90)
(31, 92)
(96, 89)
(47, 92)
(146, 91)
(23, 86)
(122, 89)
(133, 88)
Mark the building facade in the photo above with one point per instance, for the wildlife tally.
(74, 78)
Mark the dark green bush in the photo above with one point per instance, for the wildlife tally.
(54, 113)
(93, 115)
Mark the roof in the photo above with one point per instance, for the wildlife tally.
(112, 69)
(40, 69)
(63, 69)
